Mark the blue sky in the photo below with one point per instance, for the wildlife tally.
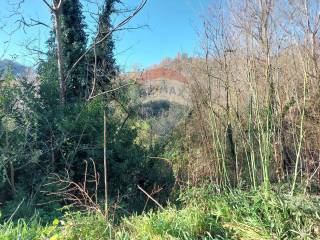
(172, 27)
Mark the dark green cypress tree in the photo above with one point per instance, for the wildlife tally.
(105, 61)
(74, 45)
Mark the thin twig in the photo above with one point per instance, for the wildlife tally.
(15, 211)
(150, 197)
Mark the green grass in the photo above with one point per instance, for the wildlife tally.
(204, 214)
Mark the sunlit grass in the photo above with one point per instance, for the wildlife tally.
(204, 214)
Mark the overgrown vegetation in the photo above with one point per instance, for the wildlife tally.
(81, 157)
(203, 214)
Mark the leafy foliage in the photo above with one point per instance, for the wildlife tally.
(103, 55)
(74, 41)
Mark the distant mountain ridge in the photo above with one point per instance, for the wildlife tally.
(17, 68)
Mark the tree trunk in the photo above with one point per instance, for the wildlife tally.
(11, 177)
(60, 61)
(105, 164)
(12, 182)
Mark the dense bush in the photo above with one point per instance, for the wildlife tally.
(41, 138)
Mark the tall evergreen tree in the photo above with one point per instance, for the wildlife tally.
(74, 45)
(106, 68)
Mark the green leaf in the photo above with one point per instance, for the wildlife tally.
(55, 222)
